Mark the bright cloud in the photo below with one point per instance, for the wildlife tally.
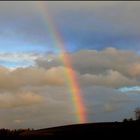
(14, 60)
(131, 88)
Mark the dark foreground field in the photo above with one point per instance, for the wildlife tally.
(91, 130)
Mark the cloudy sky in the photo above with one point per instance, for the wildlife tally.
(101, 38)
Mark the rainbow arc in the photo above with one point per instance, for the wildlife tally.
(71, 76)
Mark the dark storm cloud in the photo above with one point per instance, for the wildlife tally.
(85, 24)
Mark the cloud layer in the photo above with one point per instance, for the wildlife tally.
(38, 96)
(110, 67)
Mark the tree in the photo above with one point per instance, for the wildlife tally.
(125, 120)
(137, 113)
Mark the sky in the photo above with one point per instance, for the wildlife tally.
(102, 40)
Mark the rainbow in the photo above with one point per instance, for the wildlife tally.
(74, 87)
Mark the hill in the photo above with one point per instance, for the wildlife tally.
(92, 130)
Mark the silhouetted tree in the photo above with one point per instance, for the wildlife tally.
(125, 120)
(137, 113)
(131, 119)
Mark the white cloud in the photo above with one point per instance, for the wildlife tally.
(131, 88)
(14, 60)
